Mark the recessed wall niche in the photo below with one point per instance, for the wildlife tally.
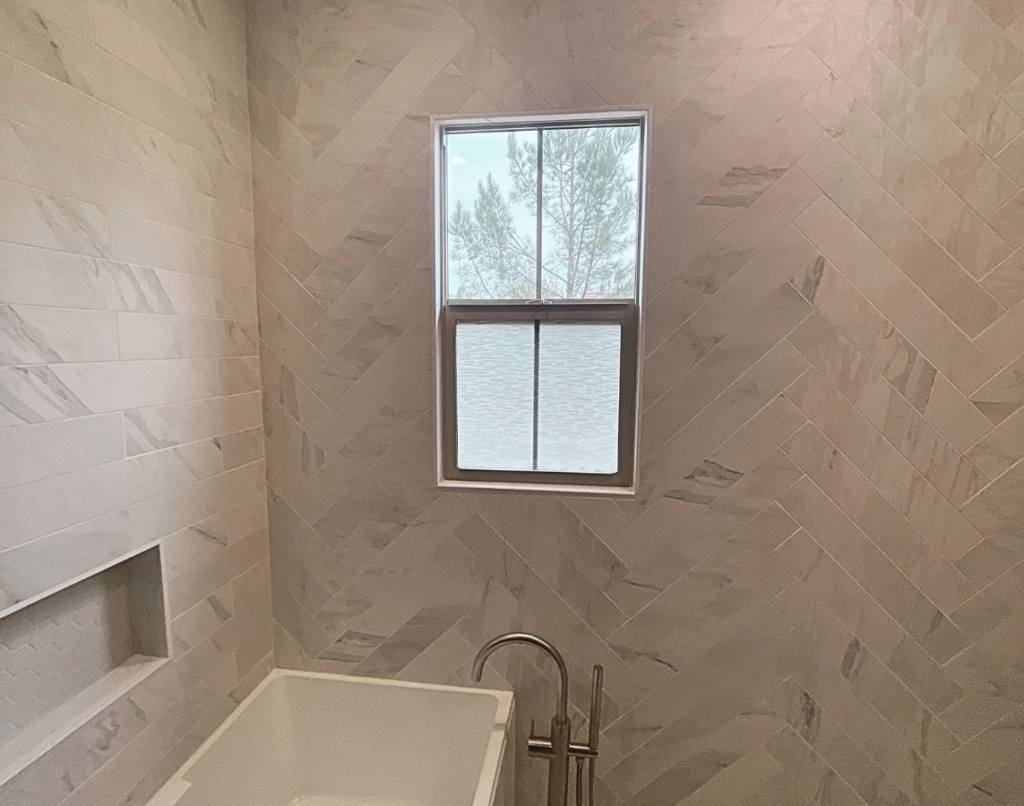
(69, 655)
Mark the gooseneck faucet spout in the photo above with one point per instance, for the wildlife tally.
(561, 729)
(562, 706)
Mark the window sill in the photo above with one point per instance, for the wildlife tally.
(556, 489)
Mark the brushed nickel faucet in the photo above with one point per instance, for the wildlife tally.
(558, 747)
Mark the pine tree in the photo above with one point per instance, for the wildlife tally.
(589, 208)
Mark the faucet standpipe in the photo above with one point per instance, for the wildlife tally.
(558, 747)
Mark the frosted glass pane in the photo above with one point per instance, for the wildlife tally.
(494, 395)
(491, 187)
(590, 212)
(578, 417)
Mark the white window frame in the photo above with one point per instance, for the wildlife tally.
(446, 313)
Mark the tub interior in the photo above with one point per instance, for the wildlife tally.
(307, 741)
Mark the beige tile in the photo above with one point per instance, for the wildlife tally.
(895, 296)
(761, 277)
(157, 427)
(888, 225)
(859, 669)
(684, 398)
(923, 505)
(149, 336)
(1002, 395)
(810, 507)
(954, 416)
(912, 115)
(901, 369)
(894, 165)
(863, 615)
(1007, 220)
(33, 40)
(50, 449)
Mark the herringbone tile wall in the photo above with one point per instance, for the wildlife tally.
(817, 594)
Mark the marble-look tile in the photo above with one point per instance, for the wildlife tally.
(895, 296)
(44, 564)
(866, 563)
(140, 208)
(970, 103)
(886, 527)
(878, 215)
(955, 416)
(688, 390)
(862, 671)
(159, 246)
(55, 50)
(115, 386)
(1006, 220)
(36, 100)
(281, 240)
(752, 119)
(975, 38)
(828, 744)
(861, 324)
(158, 427)
(95, 491)
(749, 287)
(1002, 395)
(287, 341)
(63, 446)
(924, 506)
(747, 395)
(1001, 448)
(42, 335)
(33, 158)
(668, 562)
(894, 165)
(859, 612)
(908, 431)
(728, 723)
(154, 336)
(37, 218)
(912, 115)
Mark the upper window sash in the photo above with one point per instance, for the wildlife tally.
(525, 244)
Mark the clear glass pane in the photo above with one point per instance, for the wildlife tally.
(494, 395)
(578, 409)
(590, 212)
(492, 219)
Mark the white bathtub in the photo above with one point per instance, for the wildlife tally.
(306, 739)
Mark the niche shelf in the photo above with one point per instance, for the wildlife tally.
(70, 654)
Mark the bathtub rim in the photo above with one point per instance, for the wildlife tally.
(487, 785)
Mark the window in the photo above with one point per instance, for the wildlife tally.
(539, 234)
